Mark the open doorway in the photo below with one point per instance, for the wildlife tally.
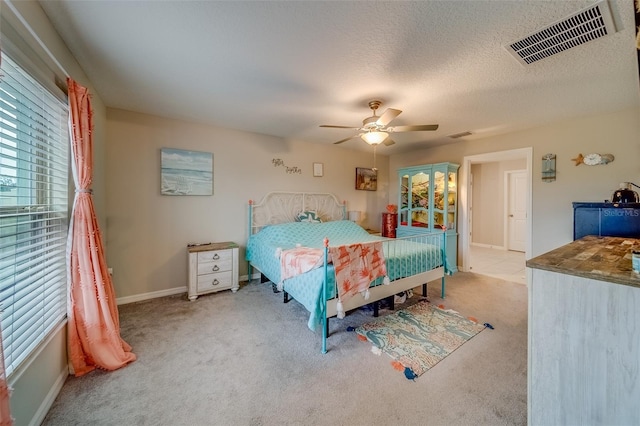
(495, 213)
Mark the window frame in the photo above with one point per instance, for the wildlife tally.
(34, 145)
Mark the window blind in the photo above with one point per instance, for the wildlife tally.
(34, 212)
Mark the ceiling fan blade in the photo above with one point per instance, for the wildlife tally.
(388, 115)
(417, 128)
(338, 127)
(346, 139)
(388, 141)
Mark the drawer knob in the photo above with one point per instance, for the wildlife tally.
(215, 282)
(215, 268)
(216, 257)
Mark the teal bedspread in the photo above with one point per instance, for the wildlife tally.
(403, 257)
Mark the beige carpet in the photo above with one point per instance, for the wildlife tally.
(249, 359)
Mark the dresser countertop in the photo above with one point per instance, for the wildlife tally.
(211, 246)
(599, 258)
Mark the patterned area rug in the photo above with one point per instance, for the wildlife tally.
(418, 337)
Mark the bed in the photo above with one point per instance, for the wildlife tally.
(313, 227)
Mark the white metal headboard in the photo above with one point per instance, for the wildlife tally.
(283, 207)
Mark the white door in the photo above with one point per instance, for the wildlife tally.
(517, 210)
(470, 205)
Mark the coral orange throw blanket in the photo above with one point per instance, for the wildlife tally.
(356, 265)
(298, 261)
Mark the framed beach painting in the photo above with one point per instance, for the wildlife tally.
(186, 172)
(366, 179)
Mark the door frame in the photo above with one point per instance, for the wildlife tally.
(465, 171)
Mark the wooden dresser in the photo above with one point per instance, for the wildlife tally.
(584, 334)
(212, 267)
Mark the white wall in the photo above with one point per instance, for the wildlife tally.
(147, 233)
(617, 133)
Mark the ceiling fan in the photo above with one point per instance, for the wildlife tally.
(375, 129)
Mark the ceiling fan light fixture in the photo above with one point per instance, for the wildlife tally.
(374, 138)
(375, 129)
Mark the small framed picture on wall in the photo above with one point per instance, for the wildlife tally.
(318, 169)
(366, 179)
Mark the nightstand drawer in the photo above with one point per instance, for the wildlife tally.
(218, 281)
(214, 266)
(215, 256)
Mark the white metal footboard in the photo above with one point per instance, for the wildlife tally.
(410, 262)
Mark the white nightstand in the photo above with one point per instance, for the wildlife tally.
(212, 267)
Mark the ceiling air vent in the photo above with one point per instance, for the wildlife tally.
(581, 27)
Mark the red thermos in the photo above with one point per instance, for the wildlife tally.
(389, 224)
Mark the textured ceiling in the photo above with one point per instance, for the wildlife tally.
(284, 68)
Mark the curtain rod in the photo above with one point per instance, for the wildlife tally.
(35, 36)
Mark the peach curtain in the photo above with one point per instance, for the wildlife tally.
(5, 409)
(94, 326)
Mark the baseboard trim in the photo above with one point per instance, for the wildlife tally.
(46, 405)
(163, 293)
(489, 246)
(254, 276)
(151, 295)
